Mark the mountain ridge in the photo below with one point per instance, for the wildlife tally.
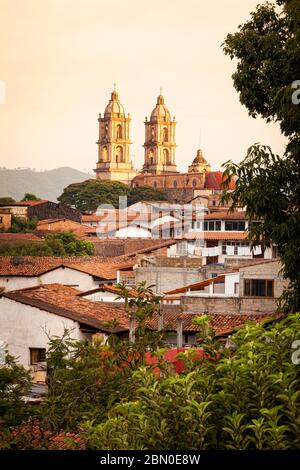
(47, 184)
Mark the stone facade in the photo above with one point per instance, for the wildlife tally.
(114, 143)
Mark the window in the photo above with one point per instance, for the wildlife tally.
(194, 183)
(37, 355)
(212, 225)
(1, 220)
(258, 288)
(233, 225)
(175, 184)
(235, 244)
(236, 287)
(154, 184)
(182, 248)
(119, 131)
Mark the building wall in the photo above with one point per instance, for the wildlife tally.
(228, 305)
(132, 232)
(60, 275)
(166, 278)
(103, 297)
(269, 270)
(5, 220)
(23, 327)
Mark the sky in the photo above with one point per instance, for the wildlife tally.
(60, 58)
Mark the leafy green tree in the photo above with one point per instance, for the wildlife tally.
(89, 194)
(25, 249)
(14, 386)
(30, 197)
(267, 52)
(145, 193)
(7, 200)
(22, 225)
(86, 379)
(246, 399)
(66, 243)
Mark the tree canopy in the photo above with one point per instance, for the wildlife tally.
(30, 197)
(267, 51)
(90, 194)
(7, 200)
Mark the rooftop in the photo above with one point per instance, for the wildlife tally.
(65, 301)
(103, 268)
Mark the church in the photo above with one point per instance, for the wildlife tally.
(159, 170)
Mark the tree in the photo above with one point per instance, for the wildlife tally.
(22, 225)
(268, 59)
(66, 243)
(89, 194)
(7, 200)
(30, 197)
(60, 244)
(14, 386)
(145, 193)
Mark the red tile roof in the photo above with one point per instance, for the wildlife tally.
(215, 235)
(28, 203)
(104, 268)
(223, 323)
(215, 179)
(226, 215)
(19, 237)
(63, 301)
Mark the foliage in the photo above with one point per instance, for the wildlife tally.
(66, 243)
(268, 58)
(87, 379)
(22, 225)
(30, 197)
(7, 200)
(25, 249)
(246, 399)
(14, 385)
(61, 244)
(90, 194)
(145, 193)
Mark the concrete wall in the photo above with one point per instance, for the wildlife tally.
(103, 297)
(228, 305)
(60, 275)
(23, 327)
(167, 278)
(269, 270)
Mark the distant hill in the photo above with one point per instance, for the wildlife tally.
(47, 184)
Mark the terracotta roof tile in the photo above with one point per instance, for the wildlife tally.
(104, 268)
(63, 301)
(226, 215)
(223, 323)
(16, 237)
(216, 235)
(214, 180)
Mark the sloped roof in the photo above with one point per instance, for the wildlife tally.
(104, 268)
(215, 235)
(215, 179)
(19, 237)
(198, 285)
(63, 301)
(224, 324)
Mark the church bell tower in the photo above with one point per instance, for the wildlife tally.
(160, 140)
(114, 143)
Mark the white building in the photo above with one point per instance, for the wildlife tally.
(28, 317)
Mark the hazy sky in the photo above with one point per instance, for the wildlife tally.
(60, 58)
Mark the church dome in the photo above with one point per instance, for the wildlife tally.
(114, 106)
(160, 110)
(199, 158)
